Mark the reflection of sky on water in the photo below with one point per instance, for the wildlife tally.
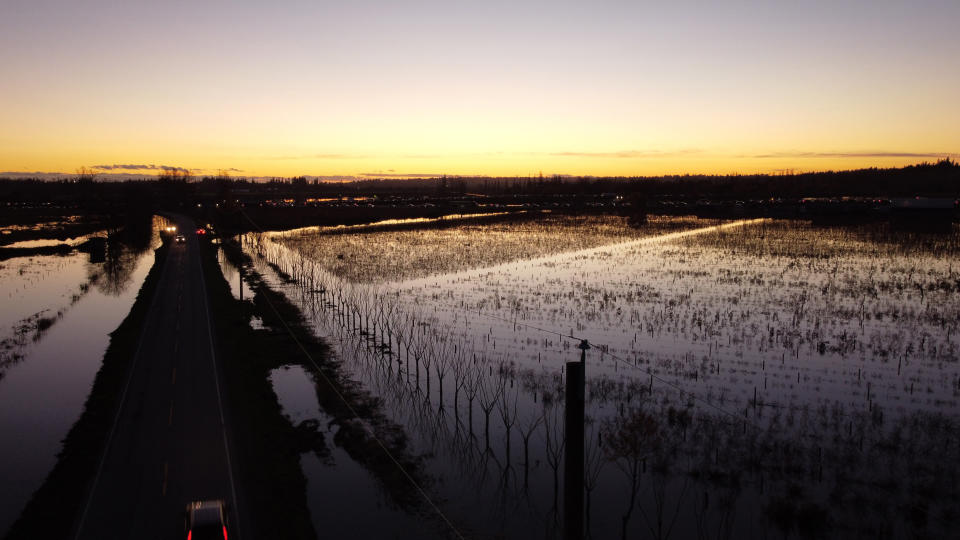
(47, 243)
(342, 496)
(30, 285)
(238, 287)
(704, 322)
(42, 393)
(716, 324)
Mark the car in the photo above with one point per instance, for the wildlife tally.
(207, 520)
(181, 239)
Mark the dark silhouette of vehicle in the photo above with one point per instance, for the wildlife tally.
(181, 239)
(206, 520)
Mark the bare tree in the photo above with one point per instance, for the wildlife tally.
(490, 392)
(527, 427)
(471, 386)
(594, 462)
(508, 415)
(631, 438)
(555, 441)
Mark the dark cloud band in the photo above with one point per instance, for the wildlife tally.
(133, 167)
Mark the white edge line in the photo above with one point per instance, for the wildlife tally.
(216, 382)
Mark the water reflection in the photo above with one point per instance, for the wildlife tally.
(55, 323)
(123, 249)
(749, 379)
(345, 501)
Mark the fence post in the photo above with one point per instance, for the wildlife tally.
(573, 473)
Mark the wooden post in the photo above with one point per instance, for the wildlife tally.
(573, 472)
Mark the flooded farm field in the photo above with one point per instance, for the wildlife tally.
(745, 379)
(55, 318)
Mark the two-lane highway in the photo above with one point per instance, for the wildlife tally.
(169, 444)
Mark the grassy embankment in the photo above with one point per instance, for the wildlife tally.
(49, 513)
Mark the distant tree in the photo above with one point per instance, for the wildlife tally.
(85, 175)
(169, 175)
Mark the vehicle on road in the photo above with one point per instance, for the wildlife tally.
(207, 520)
(181, 239)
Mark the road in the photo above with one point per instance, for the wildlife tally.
(169, 444)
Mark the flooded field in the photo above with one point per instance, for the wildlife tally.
(745, 379)
(55, 318)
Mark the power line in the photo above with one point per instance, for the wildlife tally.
(615, 357)
(570, 336)
(370, 431)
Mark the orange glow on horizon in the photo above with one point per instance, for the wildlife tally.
(437, 88)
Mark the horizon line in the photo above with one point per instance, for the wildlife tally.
(360, 177)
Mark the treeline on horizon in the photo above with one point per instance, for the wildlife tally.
(940, 179)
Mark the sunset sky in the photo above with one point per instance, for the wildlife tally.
(284, 88)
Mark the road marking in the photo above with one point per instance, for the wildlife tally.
(173, 379)
(164, 478)
(216, 380)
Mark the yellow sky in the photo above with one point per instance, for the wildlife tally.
(495, 89)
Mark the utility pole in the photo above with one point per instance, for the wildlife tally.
(573, 473)
(240, 268)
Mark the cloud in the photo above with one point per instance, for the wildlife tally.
(625, 154)
(123, 167)
(400, 175)
(33, 174)
(132, 167)
(854, 155)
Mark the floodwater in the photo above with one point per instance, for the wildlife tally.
(342, 496)
(744, 380)
(55, 318)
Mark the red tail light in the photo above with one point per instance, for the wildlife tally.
(224, 533)
(189, 534)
